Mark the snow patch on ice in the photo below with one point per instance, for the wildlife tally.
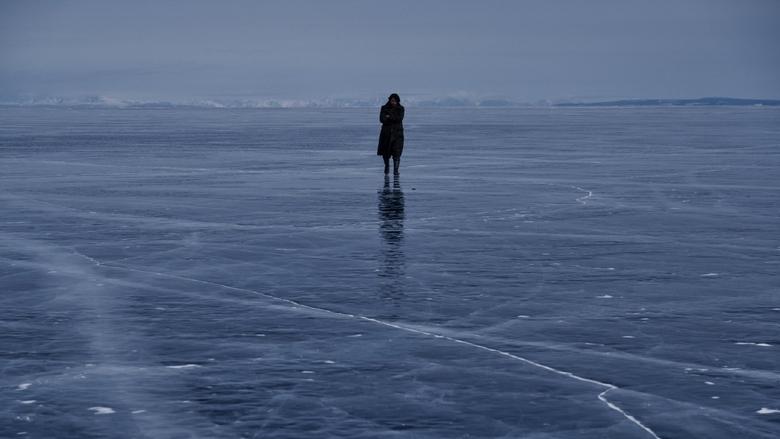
(767, 411)
(184, 366)
(750, 343)
(23, 386)
(102, 410)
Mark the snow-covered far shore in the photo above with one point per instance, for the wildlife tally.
(447, 101)
(107, 101)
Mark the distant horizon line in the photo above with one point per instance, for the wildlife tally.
(102, 101)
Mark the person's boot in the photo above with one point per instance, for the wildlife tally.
(387, 165)
(396, 165)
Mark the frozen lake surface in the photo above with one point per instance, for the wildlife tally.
(533, 273)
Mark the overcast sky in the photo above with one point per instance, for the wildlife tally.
(523, 50)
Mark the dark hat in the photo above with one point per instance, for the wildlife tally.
(394, 96)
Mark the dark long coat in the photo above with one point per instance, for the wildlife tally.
(391, 138)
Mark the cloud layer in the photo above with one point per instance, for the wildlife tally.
(312, 50)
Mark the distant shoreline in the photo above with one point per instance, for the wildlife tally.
(700, 102)
(97, 102)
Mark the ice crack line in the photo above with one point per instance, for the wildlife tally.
(601, 396)
(584, 199)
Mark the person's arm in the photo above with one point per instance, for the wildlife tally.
(400, 114)
(394, 115)
(384, 115)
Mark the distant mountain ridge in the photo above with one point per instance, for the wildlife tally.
(112, 102)
(700, 102)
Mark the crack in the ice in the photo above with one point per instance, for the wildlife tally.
(583, 199)
(601, 396)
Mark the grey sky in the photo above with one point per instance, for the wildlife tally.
(525, 50)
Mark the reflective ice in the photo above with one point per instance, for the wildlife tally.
(535, 273)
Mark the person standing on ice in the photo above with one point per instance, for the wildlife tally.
(391, 138)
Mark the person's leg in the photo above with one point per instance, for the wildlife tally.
(386, 158)
(398, 149)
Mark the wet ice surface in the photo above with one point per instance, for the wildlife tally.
(586, 273)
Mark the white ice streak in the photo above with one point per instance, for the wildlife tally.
(583, 199)
(184, 366)
(750, 343)
(102, 410)
(23, 386)
(767, 411)
(601, 396)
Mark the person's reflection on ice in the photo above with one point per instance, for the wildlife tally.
(391, 228)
